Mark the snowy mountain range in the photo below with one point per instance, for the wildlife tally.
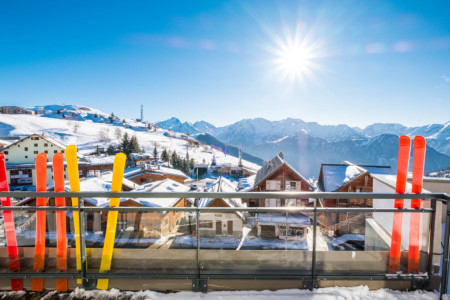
(87, 127)
(308, 144)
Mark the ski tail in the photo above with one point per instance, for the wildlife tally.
(74, 182)
(108, 246)
(414, 228)
(10, 229)
(402, 172)
(61, 237)
(37, 284)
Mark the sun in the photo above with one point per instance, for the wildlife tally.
(295, 56)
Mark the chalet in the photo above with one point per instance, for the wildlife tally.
(141, 158)
(350, 178)
(14, 110)
(20, 157)
(154, 224)
(221, 223)
(90, 165)
(278, 175)
(147, 173)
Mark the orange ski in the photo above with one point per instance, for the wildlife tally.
(10, 229)
(402, 172)
(37, 284)
(61, 236)
(417, 179)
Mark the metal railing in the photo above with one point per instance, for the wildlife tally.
(199, 280)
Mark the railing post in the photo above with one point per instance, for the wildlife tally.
(313, 267)
(444, 279)
(198, 285)
(82, 242)
(431, 241)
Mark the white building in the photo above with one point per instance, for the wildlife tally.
(20, 158)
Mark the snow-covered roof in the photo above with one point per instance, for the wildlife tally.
(100, 160)
(170, 171)
(154, 169)
(293, 221)
(166, 185)
(223, 185)
(141, 156)
(347, 237)
(246, 183)
(337, 175)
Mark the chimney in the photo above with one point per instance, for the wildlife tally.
(281, 155)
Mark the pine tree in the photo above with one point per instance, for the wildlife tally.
(134, 145)
(97, 150)
(165, 155)
(111, 150)
(191, 164)
(155, 154)
(124, 146)
(175, 160)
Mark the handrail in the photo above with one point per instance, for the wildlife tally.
(243, 195)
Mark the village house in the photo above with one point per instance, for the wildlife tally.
(147, 173)
(154, 224)
(20, 158)
(278, 175)
(349, 178)
(14, 110)
(141, 158)
(90, 165)
(221, 223)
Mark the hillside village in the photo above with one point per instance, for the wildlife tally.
(163, 161)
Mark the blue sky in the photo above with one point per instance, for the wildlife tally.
(222, 61)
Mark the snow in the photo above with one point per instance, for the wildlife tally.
(84, 131)
(167, 185)
(350, 173)
(331, 293)
(100, 160)
(293, 221)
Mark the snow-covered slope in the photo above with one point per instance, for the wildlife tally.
(87, 134)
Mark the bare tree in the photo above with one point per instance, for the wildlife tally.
(118, 133)
(103, 135)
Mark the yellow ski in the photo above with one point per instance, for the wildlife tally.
(74, 181)
(108, 246)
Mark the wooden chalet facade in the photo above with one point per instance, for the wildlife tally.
(278, 175)
(346, 178)
(148, 173)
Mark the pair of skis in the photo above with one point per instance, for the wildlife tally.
(61, 236)
(10, 229)
(417, 179)
(116, 186)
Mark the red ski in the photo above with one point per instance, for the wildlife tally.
(37, 284)
(10, 229)
(61, 242)
(402, 172)
(417, 179)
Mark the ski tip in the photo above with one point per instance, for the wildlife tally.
(404, 140)
(120, 157)
(58, 158)
(71, 149)
(2, 156)
(41, 158)
(419, 141)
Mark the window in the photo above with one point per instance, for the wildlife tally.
(26, 148)
(206, 224)
(35, 145)
(7, 159)
(62, 151)
(45, 145)
(273, 185)
(35, 138)
(6, 152)
(35, 152)
(46, 151)
(55, 151)
(26, 156)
